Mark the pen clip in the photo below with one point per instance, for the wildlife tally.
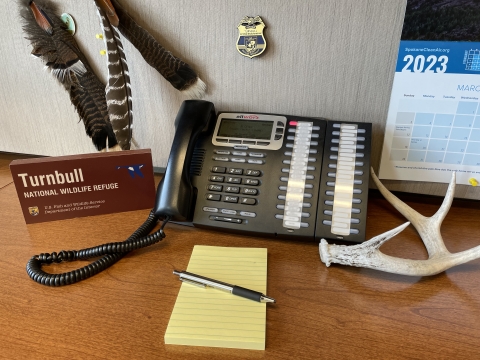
(192, 282)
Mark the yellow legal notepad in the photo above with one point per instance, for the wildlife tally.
(210, 317)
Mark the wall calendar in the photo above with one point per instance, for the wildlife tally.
(433, 122)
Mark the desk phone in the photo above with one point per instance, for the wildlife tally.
(274, 175)
(271, 175)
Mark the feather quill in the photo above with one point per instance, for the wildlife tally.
(173, 69)
(118, 91)
(53, 44)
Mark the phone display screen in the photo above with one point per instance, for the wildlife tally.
(245, 129)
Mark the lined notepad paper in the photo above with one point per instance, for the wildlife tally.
(211, 317)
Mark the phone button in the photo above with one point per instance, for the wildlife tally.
(238, 160)
(222, 140)
(215, 187)
(248, 214)
(235, 171)
(250, 172)
(235, 141)
(234, 180)
(226, 219)
(239, 153)
(248, 191)
(231, 199)
(222, 152)
(228, 212)
(255, 161)
(216, 178)
(263, 143)
(221, 158)
(210, 209)
(213, 197)
(248, 201)
(242, 147)
(253, 182)
(257, 155)
(218, 169)
(232, 189)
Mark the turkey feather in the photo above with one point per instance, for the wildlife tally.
(53, 44)
(118, 91)
(173, 69)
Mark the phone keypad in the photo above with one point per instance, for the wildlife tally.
(225, 193)
(247, 190)
(242, 181)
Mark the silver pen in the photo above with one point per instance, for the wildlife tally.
(203, 281)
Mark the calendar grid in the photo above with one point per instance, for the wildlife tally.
(437, 132)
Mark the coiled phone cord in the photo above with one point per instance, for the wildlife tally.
(110, 253)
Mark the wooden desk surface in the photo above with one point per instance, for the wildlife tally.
(336, 313)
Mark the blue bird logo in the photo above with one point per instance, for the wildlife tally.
(133, 170)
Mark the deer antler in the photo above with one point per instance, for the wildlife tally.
(368, 254)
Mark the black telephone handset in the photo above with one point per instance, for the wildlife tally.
(175, 193)
(257, 174)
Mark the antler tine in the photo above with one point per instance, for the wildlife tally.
(447, 201)
(428, 227)
(409, 213)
